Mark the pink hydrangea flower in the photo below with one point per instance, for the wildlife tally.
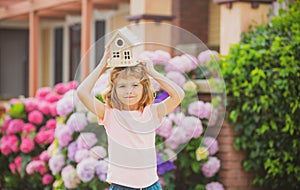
(176, 64)
(47, 179)
(182, 64)
(52, 108)
(44, 156)
(192, 62)
(43, 92)
(177, 137)
(36, 166)
(9, 144)
(72, 84)
(31, 104)
(211, 167)
(145, 55)
(177, 77)
(81, 155)
(98, 152)
(192, 126)
(51, 124)
(44, 107)
(200, 109)
(28, 128)
(206, 56)
(72, 149)
(69, 176)
(86, 140)
(165, 128)
(63, 135)
(77, 122)
(44, 137)
(13, 168)
(212, 145)
(56, 163)
(27, 145)
(52, 97)
(101, 169)
(61, 88)
(176, 117)
(16, 165)
(15, 126)
(18, 162)
(65, 106)
(5, 124)
(86, 169)
(161, 57)
(35, 117)
(214, 186)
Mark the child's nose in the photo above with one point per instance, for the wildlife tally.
(129, 90)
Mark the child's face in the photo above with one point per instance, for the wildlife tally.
(129, 92)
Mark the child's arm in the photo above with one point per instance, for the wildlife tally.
(84, 90)
(176, 94)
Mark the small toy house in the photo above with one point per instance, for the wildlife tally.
(125, 48)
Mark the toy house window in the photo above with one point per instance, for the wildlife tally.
(116, 54)
(127, 55)
(119, 42)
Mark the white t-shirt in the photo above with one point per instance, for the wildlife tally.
(131, 146)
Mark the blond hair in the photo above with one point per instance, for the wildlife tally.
(139, 72)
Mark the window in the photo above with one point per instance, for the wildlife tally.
(127, 55)
(75, 44)
(58, 55)
(116, 54)
(119, 42)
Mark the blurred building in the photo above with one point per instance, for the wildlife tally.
(42, 41)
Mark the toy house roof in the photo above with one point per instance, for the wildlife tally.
(126, 34)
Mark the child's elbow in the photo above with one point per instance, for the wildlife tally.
(179, 95)
(80, 93)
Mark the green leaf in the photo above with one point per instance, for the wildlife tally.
(233, 116)
(195, 167)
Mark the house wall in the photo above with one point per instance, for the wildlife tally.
(193, 16)
(119, 21)
(153, 7)
(214, 26)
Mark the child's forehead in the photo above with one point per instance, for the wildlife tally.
(127, 79)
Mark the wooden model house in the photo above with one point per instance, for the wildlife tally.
(125, 48)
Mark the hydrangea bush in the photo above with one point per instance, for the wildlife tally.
(79, 151)
(181, 137)
(77, 155)
(26, 131)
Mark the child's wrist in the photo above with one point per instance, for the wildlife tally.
(154, 74)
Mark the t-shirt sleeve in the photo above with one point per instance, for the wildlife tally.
(105, 120)
(154, 111)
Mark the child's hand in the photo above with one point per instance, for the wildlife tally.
(104, 60)
(106, 53)
(148, 65)
(106, 57)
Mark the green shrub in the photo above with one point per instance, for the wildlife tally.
(262, 75)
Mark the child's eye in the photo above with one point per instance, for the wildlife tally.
(121, 86)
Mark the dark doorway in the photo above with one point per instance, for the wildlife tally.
(13, 63)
